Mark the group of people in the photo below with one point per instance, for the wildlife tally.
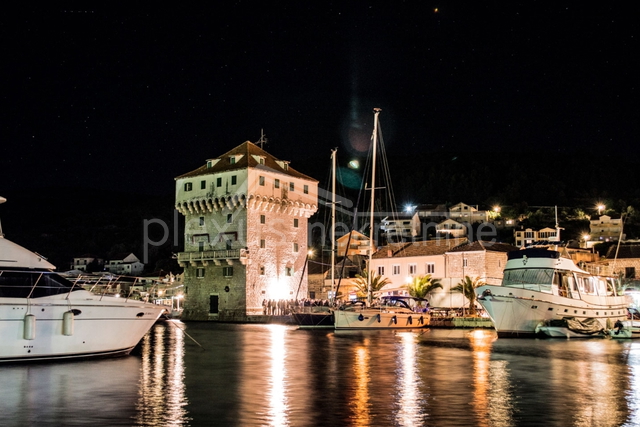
(283, 307)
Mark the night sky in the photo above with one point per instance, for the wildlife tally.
(127, 98)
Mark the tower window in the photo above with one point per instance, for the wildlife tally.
(261, 180)
(203, 185)
(188, 186)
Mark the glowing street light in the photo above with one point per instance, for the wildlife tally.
(600, 208)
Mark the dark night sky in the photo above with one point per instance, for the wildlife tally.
(128, 98)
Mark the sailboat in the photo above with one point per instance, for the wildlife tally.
(321, 316)
(391, 312)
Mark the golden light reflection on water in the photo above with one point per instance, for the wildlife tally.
(360, 403)
(409, 399)
(276, 392)
(481, 347)
(161, 393)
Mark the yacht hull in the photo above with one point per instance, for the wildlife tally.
(379, 319)
(83, 326)
(517, 312)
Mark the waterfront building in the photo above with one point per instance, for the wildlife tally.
(465, 213)
(451, 228)
(86, 262)
(358, 245)
(604, 229)
(124, 264)
(525, 237)
(246, 216)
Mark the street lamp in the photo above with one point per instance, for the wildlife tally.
(600, 208)
(586, 238)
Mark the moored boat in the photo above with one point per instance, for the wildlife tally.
(392, 313)
(539, 286)
(44, 316)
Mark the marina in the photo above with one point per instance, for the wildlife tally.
(273, 375)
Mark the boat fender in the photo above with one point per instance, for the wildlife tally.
(67, 323)
(410, 321)
(395, 320)
(29, 332)
(379, 319)
(421, 320)
(361, 317)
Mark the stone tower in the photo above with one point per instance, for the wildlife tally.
(246, 216)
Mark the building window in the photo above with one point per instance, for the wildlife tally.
(261, 160)
(261, 180)
(306, 189)
(200, 273)
(396, 269)
(203, 185)
(291, 186)
(263, 219)
(288, 271)
(201, 221)
(227, 271)
(276, 183)
(430, 268)
(188, 186)
(232, 160)
(229, 218)
(233, 180)
(295, 247)
(262, 270)
(218, 182)
(295, 222)
(381, 270)
(464, 263)
(413, 268)
(263, 243)
(285, 166)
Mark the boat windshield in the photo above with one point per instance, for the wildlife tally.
(33, 284)
(537, 279)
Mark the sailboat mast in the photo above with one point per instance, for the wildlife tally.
(333, 221)
(376, 112)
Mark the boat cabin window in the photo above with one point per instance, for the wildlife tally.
(538, 279)
(19, 284)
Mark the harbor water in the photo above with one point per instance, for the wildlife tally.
(205, 374)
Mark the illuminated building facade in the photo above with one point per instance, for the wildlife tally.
(246, 216)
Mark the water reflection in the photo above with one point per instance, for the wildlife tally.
(277, 384)
(360, 403)
(409, 397)
(161, 392)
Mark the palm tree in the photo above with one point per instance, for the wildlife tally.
(467, 287)
(377, 282)
(423, 286)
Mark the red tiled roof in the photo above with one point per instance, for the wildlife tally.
(426, 247)
(480, 245)
(247, 150)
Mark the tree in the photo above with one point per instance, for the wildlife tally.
(467, 287)
(421, 286)
(377, 283)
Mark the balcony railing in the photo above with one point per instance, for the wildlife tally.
(192, 257)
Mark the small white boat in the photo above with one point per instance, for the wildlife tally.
(571, 328)
(44, 316)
